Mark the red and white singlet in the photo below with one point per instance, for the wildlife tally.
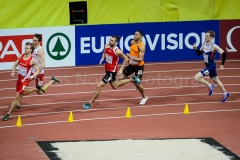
(24, 69)
(111, 59)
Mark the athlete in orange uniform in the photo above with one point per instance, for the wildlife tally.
(25, 62)
(136, 62)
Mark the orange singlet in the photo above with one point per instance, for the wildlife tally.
(134, 51)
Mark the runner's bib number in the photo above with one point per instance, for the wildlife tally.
(205, 56)
(109, 59)
(22, 70)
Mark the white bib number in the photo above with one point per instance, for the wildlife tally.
(22, 71)
(205, 56)
(24, 88)
(109, 59)
(139, 72)
(206, 72)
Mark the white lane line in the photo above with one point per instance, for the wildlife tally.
(112, 90)
(118, 99)
(146, 64)
(119, 108)
(133, 116)
(175, 87)
(146, 72)
(147, 80)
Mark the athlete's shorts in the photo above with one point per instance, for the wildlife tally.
(138, 70)
(22, 86)
(39, 80)
(211, 71)
(109, 77)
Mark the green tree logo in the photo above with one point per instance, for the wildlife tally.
(58, 47)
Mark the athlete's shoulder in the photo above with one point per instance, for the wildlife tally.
(133, 42)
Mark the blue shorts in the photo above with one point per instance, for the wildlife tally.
(211, 71)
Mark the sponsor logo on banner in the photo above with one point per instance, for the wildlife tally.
(56, 48)
(172, 41)
(230, 31)
(12, 46)
(58, 44)
(168, 41)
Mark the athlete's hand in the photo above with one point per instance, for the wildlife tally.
(30, 77)
(221, 67)
(119, 72)
(12, 74)
(128, 55)
(100, 62)
(194, 46)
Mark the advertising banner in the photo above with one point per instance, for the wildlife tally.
(168, 41)
(58, 44)
(230, 32)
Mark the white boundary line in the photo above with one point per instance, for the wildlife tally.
(120, 90)
(113, 99)
(147, 80)
(146, 72)
(146, 64)
(118, 108)
(133, 116)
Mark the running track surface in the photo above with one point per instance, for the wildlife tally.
(169, 87)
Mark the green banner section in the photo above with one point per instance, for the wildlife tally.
(41, 13)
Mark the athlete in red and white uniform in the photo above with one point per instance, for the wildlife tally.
(38, 54)
(25, 62)
(112, 54)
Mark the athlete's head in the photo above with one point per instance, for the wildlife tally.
(29, 48)
(209, 36)
(37, 39)
(113, 40)
(138, 35)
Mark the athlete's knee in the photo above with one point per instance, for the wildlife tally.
(18, 97)
(216, 81)
(196, 77)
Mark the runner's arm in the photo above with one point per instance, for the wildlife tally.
(221, 51)
(122, 55)
(35, 65)
(103, 56)
(41, 59)
(15, 65)
(198, 52)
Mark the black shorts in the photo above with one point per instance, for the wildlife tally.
(138, 70)
(109, 77)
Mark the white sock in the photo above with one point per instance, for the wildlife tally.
(225, 93)
(210, 86)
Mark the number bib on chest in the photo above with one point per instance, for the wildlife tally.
(109, 59)
(22, 70)
(205, 56)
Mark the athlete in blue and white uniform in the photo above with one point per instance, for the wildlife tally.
(208, 49)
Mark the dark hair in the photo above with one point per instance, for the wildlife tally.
(117, 38)
(38, 36)
(140, 31)
(31, 46)
(212, 33)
